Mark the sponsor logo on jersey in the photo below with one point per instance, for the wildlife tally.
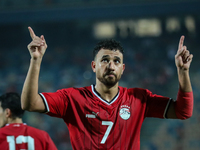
(96, 114)
(93, 115)
(90, 116)
(124, 112)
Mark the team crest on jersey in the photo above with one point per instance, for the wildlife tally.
(125, 112)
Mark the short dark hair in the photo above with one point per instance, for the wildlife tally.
(12, 101)
(110, 44)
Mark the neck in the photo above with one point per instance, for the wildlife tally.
(16, 120)
(107, 93)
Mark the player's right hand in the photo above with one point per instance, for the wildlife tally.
(38, 45)
(183, 58)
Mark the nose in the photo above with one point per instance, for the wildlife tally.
(111, 65)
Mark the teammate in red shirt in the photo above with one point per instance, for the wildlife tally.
(16, 135)
(105, 115)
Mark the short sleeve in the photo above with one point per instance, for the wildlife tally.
(156, 105)
(57, 102)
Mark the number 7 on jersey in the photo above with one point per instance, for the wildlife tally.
(109, 124)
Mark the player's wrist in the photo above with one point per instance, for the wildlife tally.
(183, 71)
(36, 61)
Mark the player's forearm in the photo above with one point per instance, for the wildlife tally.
(184, 80)
(30, 89)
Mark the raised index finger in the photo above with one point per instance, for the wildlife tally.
(181, 42)
(32, 34)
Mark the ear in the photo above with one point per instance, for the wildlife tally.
(123, 69)
(8, 113)
(93, 65)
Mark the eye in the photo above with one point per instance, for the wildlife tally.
(117, 61)
(105, 60)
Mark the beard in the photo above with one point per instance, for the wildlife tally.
(109, 81)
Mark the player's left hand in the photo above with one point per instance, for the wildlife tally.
(183, 58)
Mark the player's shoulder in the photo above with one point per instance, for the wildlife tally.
(85, 88)
(77, 90)
(10, 126)
(134, 89)
(22, 126)
(74, 89)
(2, 129)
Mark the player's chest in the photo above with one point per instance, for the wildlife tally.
(124, 110)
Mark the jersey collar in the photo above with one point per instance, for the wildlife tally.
(103, 100)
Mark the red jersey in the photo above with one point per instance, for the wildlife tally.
(94, 123)
(19, 136)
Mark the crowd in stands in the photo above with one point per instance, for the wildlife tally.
(24, 4)
(149, 64)
(27, 4)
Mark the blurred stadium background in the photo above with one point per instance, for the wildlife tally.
(149, 30)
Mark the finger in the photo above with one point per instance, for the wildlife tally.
(32, 34)
(181, 43)
(186, 55)
(182, 51)
(34, 44)
(43, 39)
(189, 59)
(185, 51)
(38, 39)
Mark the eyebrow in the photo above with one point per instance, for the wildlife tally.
(117, 57)
(106, 56)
